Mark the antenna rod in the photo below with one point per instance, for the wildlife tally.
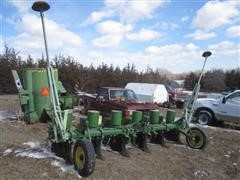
(206, 54)
(41, 6)
(45, 38)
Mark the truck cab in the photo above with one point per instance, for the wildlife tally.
(225, 108)
(112, 98)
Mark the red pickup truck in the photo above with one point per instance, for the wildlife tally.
(111, 98)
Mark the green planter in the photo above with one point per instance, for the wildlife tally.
(116, 118)
(154, 116)
(137, 116)
(161, 119)
(93, 118)
(170, 116)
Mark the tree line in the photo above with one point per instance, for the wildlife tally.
(76, 76)
(215, 80)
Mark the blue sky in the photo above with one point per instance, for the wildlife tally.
(160, 34)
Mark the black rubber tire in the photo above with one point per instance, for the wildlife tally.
(204, 118)
(173, 135)
(166, 105)
(63, 150)
(89, 159)
(171, 102)
(201, 138)
(179, 104)
(115, 143)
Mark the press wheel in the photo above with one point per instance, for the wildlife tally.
(197, 138)
(84, 157)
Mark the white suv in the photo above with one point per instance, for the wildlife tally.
(225, 108)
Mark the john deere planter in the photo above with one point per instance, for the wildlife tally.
(43, 97)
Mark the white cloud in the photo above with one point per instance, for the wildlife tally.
(185, 18)
(1, 44)
(97, 16)
(113, 27)
(174, 54)
(222, 45)
(137, 10)
(216, 13)
(113, 33)
(191, 47)
(128, 11)
(107, 41)
(168, 26)
(233, 31)
(30, 38)
(174, 57)
(96, 56)
(225, 48)
(22, 6)
(10, 21)
(201, 35)
(144, 35)
(165, 50)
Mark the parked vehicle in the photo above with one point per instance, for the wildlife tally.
(171, 95)
(225, 108)
(176, 97)
(111, 98)
(181, 98)
(147, 92)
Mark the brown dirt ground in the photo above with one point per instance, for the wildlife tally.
(220, 160)
(176, 162)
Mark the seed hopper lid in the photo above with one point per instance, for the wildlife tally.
(40, 6)
(206, 54)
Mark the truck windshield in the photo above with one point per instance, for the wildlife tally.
(123, 94)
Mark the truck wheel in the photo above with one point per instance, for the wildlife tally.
(204, 118)
(171, 102)
(197, 139)
(166, 104)
(179, 105)
(84, 157)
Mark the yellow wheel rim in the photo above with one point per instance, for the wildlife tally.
(80, 157)
(197, 138)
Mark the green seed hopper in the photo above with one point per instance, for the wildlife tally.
(34, 94)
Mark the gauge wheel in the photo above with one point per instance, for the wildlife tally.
(204, 118)
(197, 138)
(84, 157)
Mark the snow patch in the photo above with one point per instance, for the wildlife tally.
(64, 167)
(7, 152)
(219, 129)
(129, 146)
(9, 116)
(33, 145)
(18, 151)
(184, 146)
(227, 155)
(35, 154)
(235, 164)
(200, 174)
(108, 148)
(231, 130)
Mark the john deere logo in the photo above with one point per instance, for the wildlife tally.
(45, 91)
